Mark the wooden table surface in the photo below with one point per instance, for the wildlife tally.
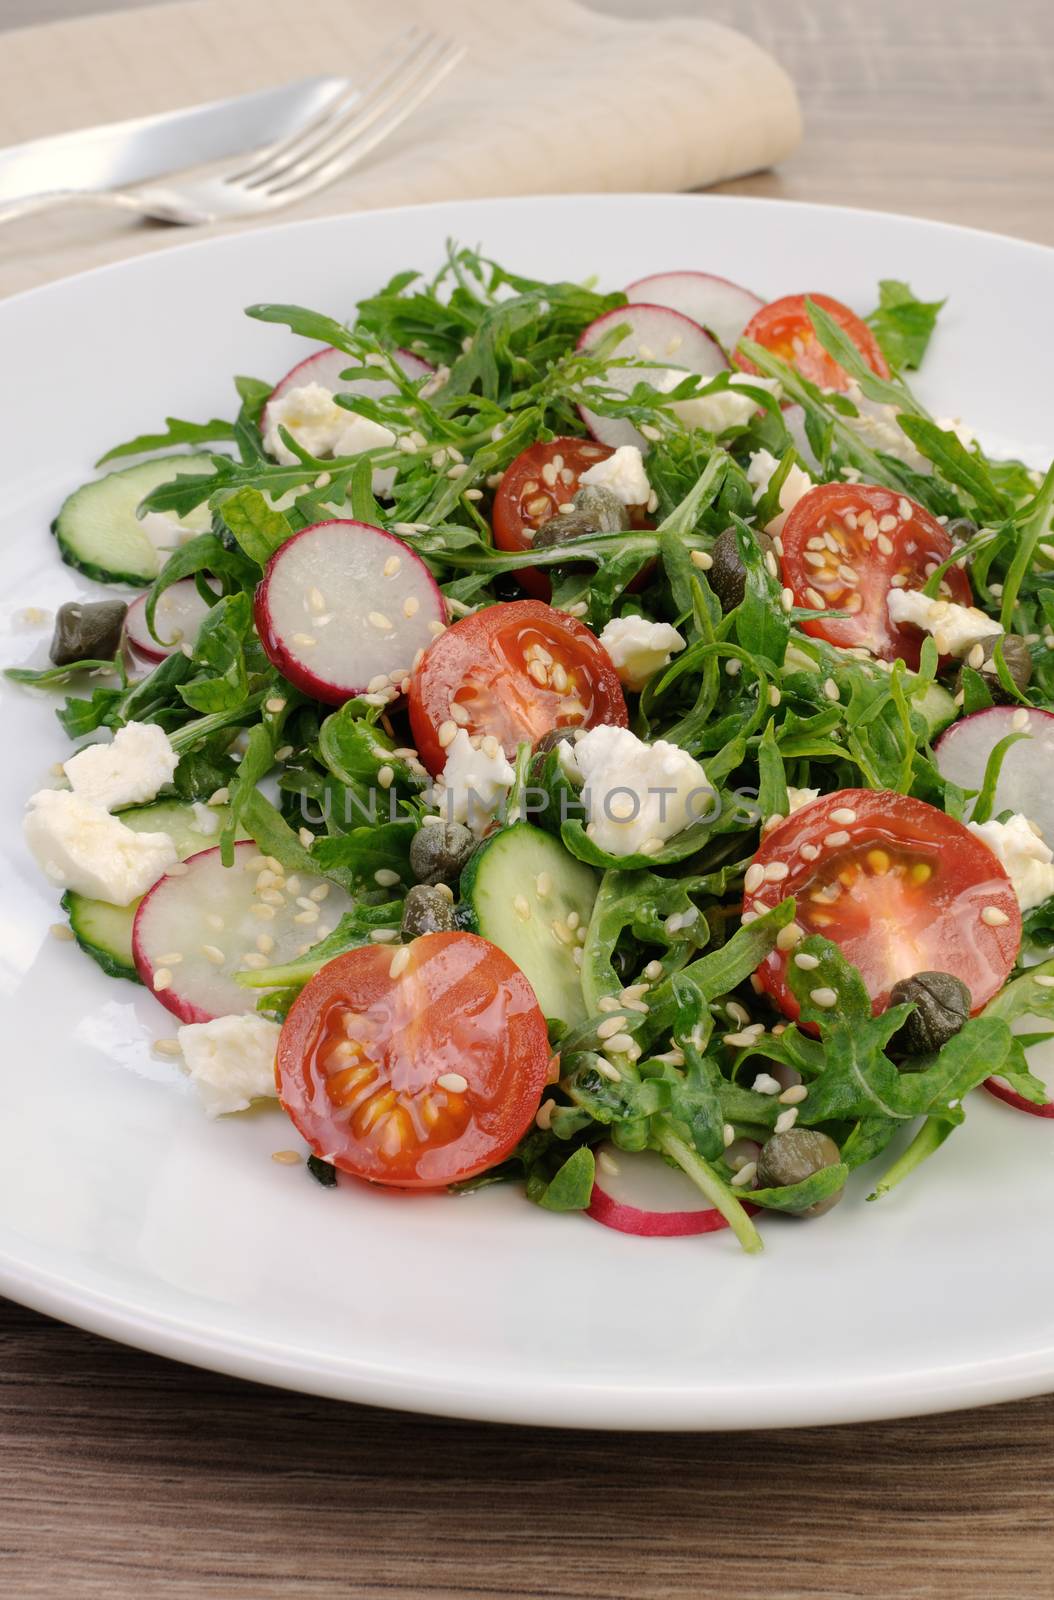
(126, 1476)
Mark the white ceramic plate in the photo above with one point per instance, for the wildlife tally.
(123, 1210)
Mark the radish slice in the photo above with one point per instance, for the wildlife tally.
(179, 614)
(721, 307)
(637, 1192)
(325, 368)
(203, 922)
(656, 334)
(343, 604)
(1002, 1091)
(1025, 777)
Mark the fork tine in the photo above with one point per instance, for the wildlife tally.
(382, 93)
(262, 158)
(356, 147)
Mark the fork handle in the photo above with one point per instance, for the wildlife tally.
(53, 199)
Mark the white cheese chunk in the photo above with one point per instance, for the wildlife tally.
(877, 426)
(638, 795)
(725, 408)
(961, 430)
(128, 771)
(362, 433)
(230, 1061)
(473, 784)
(623, 473)
(1028, 859)
(311, 415)
(639, 648)
(80, 846)
(955, 629)
(797, 798)
(797, 483)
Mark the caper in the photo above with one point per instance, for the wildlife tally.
(727, 575)
(792, 1157)
(961, 530)
(605, 510)
(942, 1004)
(554, 737)
(564, 528)
(87, 631)
(1017, 658)
(428, 908)
(440, 850)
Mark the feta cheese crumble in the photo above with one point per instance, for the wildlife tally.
(623, 473)
(128, 771)
(638, 795)
(638, 648)
(955, 629)
(230, 1061)
(760, 469)
(311, 414)
(1028, 859)
(797, 798)
(473, 783)
(80, 846)
(725, 408)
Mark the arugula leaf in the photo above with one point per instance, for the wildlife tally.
(903, 324)
(259, 529)
(571, 1189)
(176, 432)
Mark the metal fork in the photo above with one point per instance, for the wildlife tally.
(278, 175)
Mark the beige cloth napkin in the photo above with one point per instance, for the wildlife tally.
(550, 97)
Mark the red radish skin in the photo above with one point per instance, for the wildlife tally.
(653, 330)
(172, 920)
(345, 565)
(325, 368)
(179, 608)
(717, 304)
(1024, 785)
(1003, 1091)
(644, 1177)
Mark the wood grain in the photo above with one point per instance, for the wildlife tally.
(125, 1476)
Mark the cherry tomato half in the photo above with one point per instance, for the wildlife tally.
(845, 545)
(416, 1080)
(783, 327)
(513, 670)
(543, 478)
(897, 885)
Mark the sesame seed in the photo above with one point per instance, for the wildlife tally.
(809, 851)
(806, 962)
(561, 932)
(904, 509)
(776, 871)
(607, 1030)
(608, 1164)
(400, 961)
(754, 877)
(702, 559)
(218, 797)
(786, 1120)
(307, 916)
(167, 1047)
(815, 599)
(607, 1002)
(651, 847)
(653, 971)
(265, 913)
(283, 752)
(844, 815)
(770, 564)
(794, 1095)
(451, 1081)
(774, 695)
(830, 689)
(447, 733)
(834, 841)
(171, 959)
(411, 606)
(789, 936)
(522, 907)
(739, 1041)
(733, 666)
(543, 1118)
(1019, 721)
(435, 628)
(275, 704)
(377, 619)
(607, 1069)
(213, 953)
(61, 930)
(824, 998)
(745, 1175)
(787, 599)
(392, 565)
(1044, 980)
(304, 640)
(885, 544)
(385, 877)
(728, 1134)
(490, 746)
(286, 1158)
(383, 935)
(623, 1044)
(993, 917)
(306, 837)
(385, 776)
(162, 978)
(650, 432)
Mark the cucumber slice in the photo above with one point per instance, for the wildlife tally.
(514, 889)
(97, 529)
(937, 708)
(105, 931)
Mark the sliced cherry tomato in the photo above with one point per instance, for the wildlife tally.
(513, 670)
(526, 497)
(421, 1079)
(845, 545)
(897, 885)
(783, 327)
